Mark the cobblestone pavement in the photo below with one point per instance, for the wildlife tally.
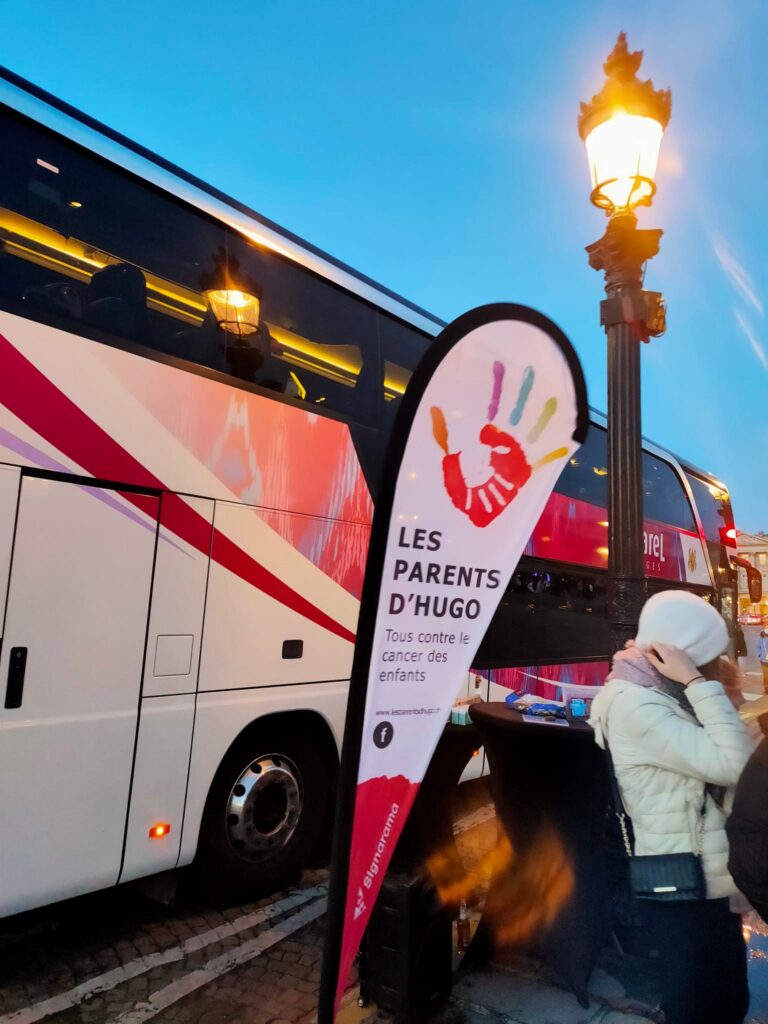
(114, 958)
(118, 958)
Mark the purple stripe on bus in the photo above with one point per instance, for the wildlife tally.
(36, 457)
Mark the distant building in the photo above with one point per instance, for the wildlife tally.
(753, 547)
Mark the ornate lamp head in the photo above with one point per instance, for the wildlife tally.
(622, 127)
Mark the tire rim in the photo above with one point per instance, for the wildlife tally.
(264, 807)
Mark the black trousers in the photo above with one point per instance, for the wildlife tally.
(702, 960)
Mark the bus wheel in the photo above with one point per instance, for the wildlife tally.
(264, 813)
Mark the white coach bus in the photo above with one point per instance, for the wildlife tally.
(194, 407)
(193, 404)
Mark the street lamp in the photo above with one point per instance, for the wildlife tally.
(622, 127)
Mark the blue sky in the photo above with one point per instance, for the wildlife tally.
(432, 144)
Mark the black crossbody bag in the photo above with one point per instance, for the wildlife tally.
(665, 877)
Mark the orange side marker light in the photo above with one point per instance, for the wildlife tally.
(159, 831)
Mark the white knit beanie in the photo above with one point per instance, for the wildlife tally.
(683, 620)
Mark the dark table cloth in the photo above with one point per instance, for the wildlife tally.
(546, 780)
(429, 828)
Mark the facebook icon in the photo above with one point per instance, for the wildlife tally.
(382, 734)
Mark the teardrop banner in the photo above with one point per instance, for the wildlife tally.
(491, 415)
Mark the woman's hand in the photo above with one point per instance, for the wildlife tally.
(672, 663)
(733, 681)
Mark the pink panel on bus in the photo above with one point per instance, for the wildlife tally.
(271, 455)
(571, 530)
(266, 452)
(339, 548)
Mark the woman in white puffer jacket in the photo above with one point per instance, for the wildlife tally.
(674, 735)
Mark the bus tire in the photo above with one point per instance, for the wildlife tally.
(264, 813)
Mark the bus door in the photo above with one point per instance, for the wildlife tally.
(158, 794)
(79, 574)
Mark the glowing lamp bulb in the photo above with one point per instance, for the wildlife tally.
(623, 153)
(235, 311)
(622, 127)
(159, 831)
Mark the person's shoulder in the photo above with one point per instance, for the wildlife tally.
(643, 709)
(633, 695)
(637, 707)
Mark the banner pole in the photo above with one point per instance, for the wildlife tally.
(373, 835)
(344, 817)
(358, 684)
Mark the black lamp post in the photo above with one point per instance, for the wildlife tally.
(622, 127)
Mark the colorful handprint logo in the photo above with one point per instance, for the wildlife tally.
(508, 466)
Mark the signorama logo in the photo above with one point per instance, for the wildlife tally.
(373, 868)
(360, 906)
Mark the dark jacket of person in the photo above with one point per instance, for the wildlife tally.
(747, 831)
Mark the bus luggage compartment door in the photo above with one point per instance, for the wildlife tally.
(78, 602)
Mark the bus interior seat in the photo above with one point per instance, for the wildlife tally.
(362, 402)
(16, 275)
(243, 358)
(11, 277)
(251, 358)
(62, 298)
(116, 301)
(197, 344)
(274, 373)
(248, 358)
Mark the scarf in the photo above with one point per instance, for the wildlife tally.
(633, 666)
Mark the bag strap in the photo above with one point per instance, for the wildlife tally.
(618, 804)
(702, 823)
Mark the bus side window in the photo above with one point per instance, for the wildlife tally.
(664, 498)
(714, 508)
(88, 246)
(585, 475)
(401, 349)
(84, 242)
(547, 616)
(317, 343)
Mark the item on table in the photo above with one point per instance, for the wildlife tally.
(578, 709)
(460, 710)
(539, 709)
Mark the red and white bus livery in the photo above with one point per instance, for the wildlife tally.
(194, 410)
